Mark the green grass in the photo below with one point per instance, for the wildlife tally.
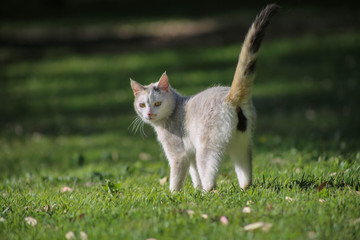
(64, 122)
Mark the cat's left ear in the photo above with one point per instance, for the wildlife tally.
(163, 83)
(136, 87)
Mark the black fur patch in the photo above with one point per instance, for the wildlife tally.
(260, 24)
(242, 124)
(250, 69)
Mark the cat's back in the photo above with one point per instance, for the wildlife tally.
(207, 101)
(207, 114)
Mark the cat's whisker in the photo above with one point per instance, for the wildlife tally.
(142, 130)
(136, 124)
(133, 123)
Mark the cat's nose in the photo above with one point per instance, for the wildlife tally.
(150, 115)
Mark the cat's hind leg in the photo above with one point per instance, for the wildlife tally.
(241, 155)
(208, 162)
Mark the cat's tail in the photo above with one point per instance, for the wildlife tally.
(240, 91)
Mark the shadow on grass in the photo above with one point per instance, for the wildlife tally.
(306, 95)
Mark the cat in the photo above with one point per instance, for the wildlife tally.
(195, 132)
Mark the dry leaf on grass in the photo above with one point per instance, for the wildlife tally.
(47, 208)
(163, 180)
(258, 225)
(204, 216)
(321, 200)
(246, 210)
(289, 199)
(355, 221)
(31, 221)
(145, 156)
(81, 216)
(66, 189)
(70, 235)
(321, 186)
(224, 220)
(190, 212)
(83, 236)
(311, 234)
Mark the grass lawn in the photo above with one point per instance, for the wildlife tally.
(64, 122)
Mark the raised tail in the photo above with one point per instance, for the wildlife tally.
(240, 91)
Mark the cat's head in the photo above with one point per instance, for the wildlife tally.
(154, 102)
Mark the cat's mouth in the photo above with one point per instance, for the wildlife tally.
(150, 117)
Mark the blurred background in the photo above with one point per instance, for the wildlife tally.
(65, 65)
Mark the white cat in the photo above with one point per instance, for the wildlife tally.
(197, 131)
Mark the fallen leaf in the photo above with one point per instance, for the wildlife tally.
(224, 220)
(70, 235)
(31, 221)
(269, 206)
(311, 234)
(83, 236)
(145, 156)
(321, 200)
(163, 180)
(321, 186)
(277, 160)
(289, 199)
(47, 208)
(253, 226)
(246, 209)
(190, 212)
(81, 216)
(66, 189)
(204, 216)
(355, 221)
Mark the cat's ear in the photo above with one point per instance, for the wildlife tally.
(136, 87)
(163, 83)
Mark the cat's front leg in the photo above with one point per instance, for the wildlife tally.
(208, 163)
(179, 167)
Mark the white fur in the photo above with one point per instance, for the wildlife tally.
(196, 132)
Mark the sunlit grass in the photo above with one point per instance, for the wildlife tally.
(65, 122)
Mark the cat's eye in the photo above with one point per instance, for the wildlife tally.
(142, 105)
(157, 104)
